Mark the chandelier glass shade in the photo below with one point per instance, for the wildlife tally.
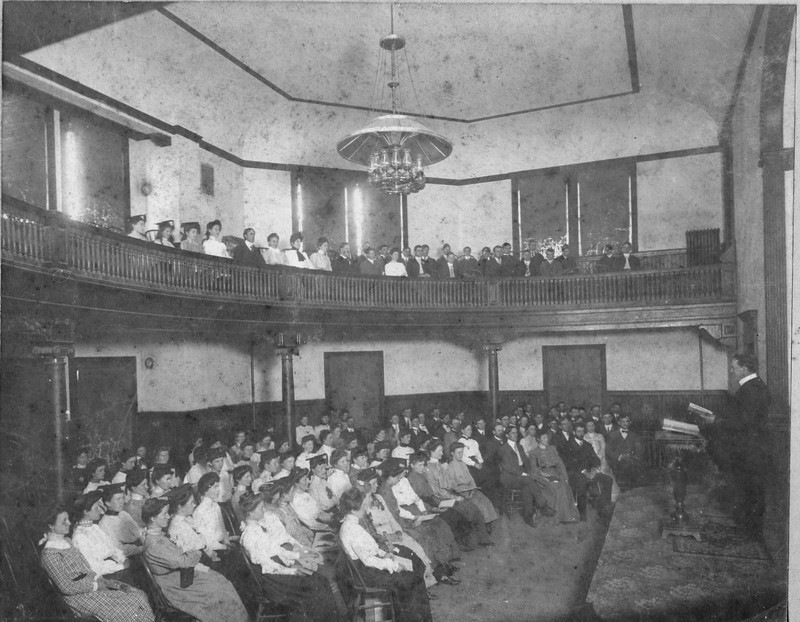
(395, 148)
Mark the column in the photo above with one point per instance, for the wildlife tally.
(288, 347)
(494, 381)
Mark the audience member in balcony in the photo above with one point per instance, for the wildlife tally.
(467, 266)
(371, 266)
(247, 253)
(84, 590)
(164, 233)
(319, 259)
(526, 267)
(383, 254)
(294, 256)
(96, 471)
(442, 259)
(626, 260)
(486, 255)
(447, 270)
(213, 244)
(493, 266)
(272, 254)
(192, 241)
(344, 264)
(414, 266)
(567, 262)
(138, 227)
(428, 263)
(406, 257)
(395, 267)
(550, 268)
(606, 262)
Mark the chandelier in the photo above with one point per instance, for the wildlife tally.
(394, 147)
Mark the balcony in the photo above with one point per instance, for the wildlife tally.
(95, 260)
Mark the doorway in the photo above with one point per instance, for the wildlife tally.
(354, 382)
(574, 374)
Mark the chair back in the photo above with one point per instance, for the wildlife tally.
(268, 609)
(163, 609)
(229, 518)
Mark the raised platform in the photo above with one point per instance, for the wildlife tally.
(641, 576)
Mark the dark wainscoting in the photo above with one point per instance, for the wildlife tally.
(178, 429)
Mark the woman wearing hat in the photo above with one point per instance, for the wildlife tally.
(307, 509)
(84, 591)
(194, 589)
(164, 233)
(138, 227)
(118, 524)
(289, 572)
(379, 568)
(181, 526)
(294, 256)
(321, 541)
(213, 245)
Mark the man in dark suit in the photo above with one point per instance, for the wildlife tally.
(515, 472)
(428, 263)
(567, 263)
(405, 418)
(344, 263)
(442, 260)
(490, 473)
(626, 260)
(371, 266)
(467, 266)
(741, 436)
(583, 468)
(447, 270)
(494, 264)
(247, 253)
(607, 426)
(526, 267)
(563, 437)
(606, 262)
(414, 265)
(625, 453)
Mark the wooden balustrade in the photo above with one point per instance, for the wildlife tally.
(38, 238)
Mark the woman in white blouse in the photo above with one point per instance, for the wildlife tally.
(181, 527)
(290, 573)
(381, 569)
(472, 452)
(208, 515)
(338, 478)
(213, 245)
(100, 551)
(320, 259)
(272, 254)
(395, 267)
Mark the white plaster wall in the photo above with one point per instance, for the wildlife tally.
(658, 360)
(476, 215)
(677, 195)
(267, 203)
(749, 194)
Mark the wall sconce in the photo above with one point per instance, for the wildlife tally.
(149, 362)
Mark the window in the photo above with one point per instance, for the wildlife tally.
(207, 179)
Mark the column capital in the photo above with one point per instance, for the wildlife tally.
(492, 348)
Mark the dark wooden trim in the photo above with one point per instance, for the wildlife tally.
(782, 158)
(726, 125)
(630, 40)
(601, 347)
(728, 181)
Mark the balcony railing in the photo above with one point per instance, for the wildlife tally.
(40, 239)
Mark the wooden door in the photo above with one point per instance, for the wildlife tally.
(354, 381)
(574, 374)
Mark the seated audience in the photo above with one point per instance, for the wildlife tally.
(344, 264)
(467, 266)
(215, 463)
(598, 443)
(607, 262)
(80, 475)
(290, 574)
(100, 551)
(163, 236)
(550, 268)
(200, 466)
(371, 266)
(626, 260)
(303, 430)
(568, 264)
(319, 488)
(404, 447)
(379, 568)
(193, 589)
(242, 480)
(583, 469)
(287, 462)
(320, 260)
(207, 515)
(85, 591)
(625, 452)
(269, 467)
(464, 484)
(307, 442)
(548, 469)
(163, 479)
(138, 226)
(515, 472)
(305, 506)
(118, 525)
(181, 529)
(96, 475)
(127, 463)
(338, 477)
(138, 491)
(213, 244)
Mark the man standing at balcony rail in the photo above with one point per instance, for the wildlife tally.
(494, 265)
(343, 264)
(568, 263)
(550, 267)
(247, 253)
(138, 227)
(526, 267)
(428, 263)
(626, 260)
(371, 266)
(467, 266)
(606, 262)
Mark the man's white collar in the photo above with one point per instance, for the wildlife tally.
(747, 379)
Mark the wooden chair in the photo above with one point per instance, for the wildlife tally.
(229, 518)
(266, 608)
(512, 500)
(371, 603)
(164, 610)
